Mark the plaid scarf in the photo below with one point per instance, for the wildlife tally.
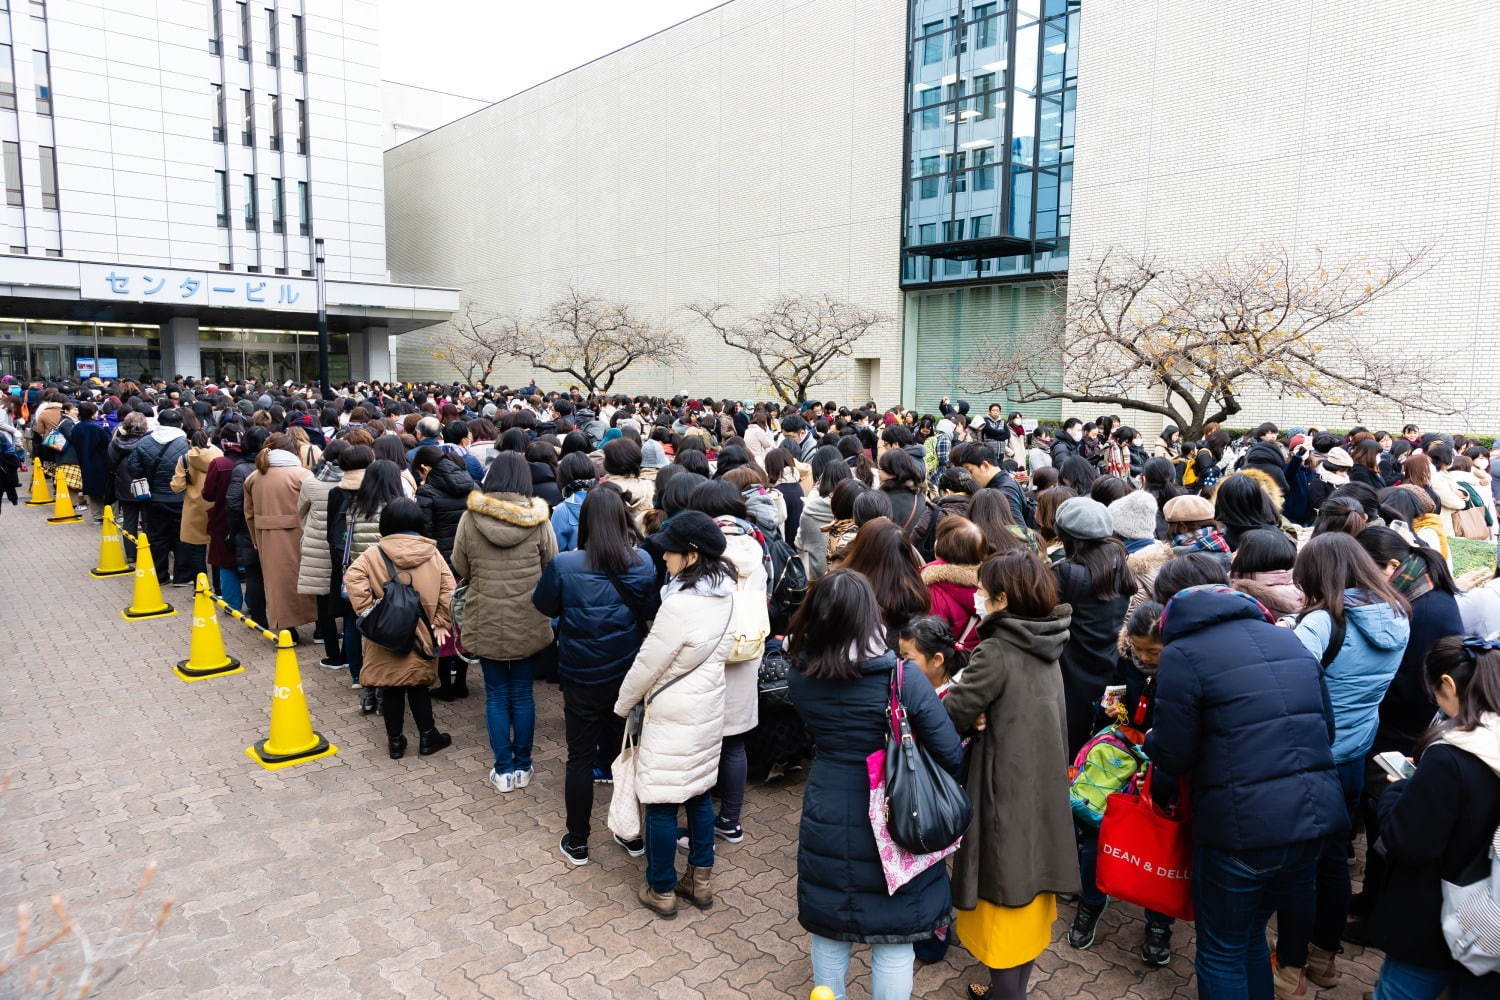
(1411, 578)
(1202, 540)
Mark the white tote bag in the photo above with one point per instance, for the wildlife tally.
(624, 806)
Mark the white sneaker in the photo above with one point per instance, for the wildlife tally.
(502, 783)
(521, 778)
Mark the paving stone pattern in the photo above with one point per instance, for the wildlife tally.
(360, 876)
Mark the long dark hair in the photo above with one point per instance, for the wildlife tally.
(1104, 560)
(605, 532)
(881, 552)
(1476, 676)
(1161, 478)
(839, 615)
(1385, 545)
(389, 448)
(1331, 564)
(1241, 505)
(576, 473)
(1078, 474)
(381, 485)
(990, 510)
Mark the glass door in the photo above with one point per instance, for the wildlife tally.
(46, 360)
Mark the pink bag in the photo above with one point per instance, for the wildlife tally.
(899, 865)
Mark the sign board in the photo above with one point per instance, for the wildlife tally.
(109, 367)
(1028, 425)
(85, 366)
(221, 289)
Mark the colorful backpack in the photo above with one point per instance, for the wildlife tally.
(1104, 766)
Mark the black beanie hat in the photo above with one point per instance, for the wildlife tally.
(692, 531)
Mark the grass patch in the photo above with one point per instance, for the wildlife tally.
(1470, 554)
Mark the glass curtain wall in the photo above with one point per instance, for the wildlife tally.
(989, 135)
(228, 355)
(55, 349)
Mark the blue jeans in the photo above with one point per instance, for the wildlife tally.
(510, 711)
(354, 653)
(1404, 981)
(891, 967)
(1331, 909)
(661, 839)
(1088, 868)
(1234, 894)
(228, 579)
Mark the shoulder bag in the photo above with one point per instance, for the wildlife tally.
(1474, 520)
(929, 809)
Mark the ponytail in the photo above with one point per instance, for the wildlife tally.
(1385, 545)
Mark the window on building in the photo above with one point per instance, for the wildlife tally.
(981, 226)
(304, 206)
(986, 27)
(958, 181)
(275, 121)
(932, 42)
(13, 189)
(273, 34)
(927, 187)
(278, 205)
(220, 113)
(299, 40)
(302, 127)
(48, 156)
(16, 249)
(953, 231)
(225, 267)
(253, 268)
(928, 100)
(983, 103)
(54, 253)
(39, 8)
(221, 196)
(984, 172)
(216, 27)
(252, 204)
(247, 132)
(43, 84)
(7, 79)
(244, 32)
(926, 234)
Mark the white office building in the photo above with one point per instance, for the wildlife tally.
(167, 171)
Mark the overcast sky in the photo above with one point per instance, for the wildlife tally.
(491, 49)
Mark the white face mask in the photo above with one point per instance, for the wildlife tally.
(979, 603)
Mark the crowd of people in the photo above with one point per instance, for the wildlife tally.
(732, 589)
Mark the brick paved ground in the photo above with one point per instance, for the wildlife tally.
(359, 876)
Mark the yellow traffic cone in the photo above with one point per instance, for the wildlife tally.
(146, 601)
(821, 993)
(62, 508)
(111, 550)
(206, 655)
(292, 739)
(39, 493)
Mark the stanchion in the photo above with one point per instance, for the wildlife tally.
(39, 493)
(292, 739)
(62, 508)
(112, 560)
(146, 601)
(206, 655)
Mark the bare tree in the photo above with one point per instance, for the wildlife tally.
(591, 339)
(476, 345)
(793, 338)
(1186, 343)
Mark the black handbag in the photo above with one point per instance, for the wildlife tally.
(928, 809)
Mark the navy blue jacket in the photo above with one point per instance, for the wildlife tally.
(1407, 709)
(597, 634)
(155, 460)
(841, 890)
(1240, 709)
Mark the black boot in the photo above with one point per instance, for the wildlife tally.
(398, 746)
(460, 677)
(445, 690)
(367, 700)
(433, 741)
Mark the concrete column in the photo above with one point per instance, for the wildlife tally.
(179, 348)
(374, 356)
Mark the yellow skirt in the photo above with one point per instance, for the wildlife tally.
(1003, 937)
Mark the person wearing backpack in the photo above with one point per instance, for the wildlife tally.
(1140, 649)
(902, 482)
(404, 557)
(1438, 827)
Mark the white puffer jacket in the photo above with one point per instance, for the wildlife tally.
(752, 616)
(315, 572)
(684, 724)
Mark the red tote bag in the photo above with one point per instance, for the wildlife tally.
(1146, 852)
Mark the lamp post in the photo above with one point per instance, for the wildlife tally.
(322, 320)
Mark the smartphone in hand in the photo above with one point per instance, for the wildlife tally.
(1396, 764)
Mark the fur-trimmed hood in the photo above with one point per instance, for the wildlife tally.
(1146, 561)
(1265, 481)
(941, 572)
(506, 519)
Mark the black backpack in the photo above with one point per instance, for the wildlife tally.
(787, 583)
(392, 622)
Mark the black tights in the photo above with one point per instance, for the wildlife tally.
(394, 708)
(1009, 984)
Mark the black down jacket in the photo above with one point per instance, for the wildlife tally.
(1241, 711)
(444, 496)
(841, 890)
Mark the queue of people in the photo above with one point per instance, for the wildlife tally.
(1266, 625)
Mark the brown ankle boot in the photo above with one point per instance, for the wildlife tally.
(1323, 967)
(1290, 983)
(694, 887)
(663, 904)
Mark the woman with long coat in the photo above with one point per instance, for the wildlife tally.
(90, 444)
(271, 497)
(1018, 853)
(840, 683)
(188, 479)
(679, 676)
(315, 571)
(502, 544)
